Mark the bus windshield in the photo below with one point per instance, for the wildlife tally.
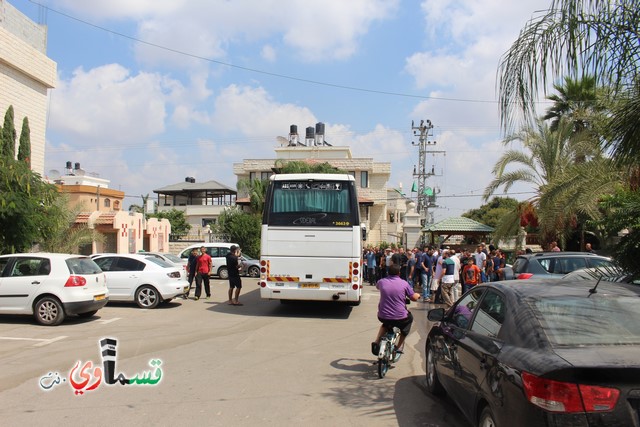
(322, 203)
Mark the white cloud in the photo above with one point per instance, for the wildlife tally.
(268, 52)
(317, 31)
(107, 104)
(254, 113)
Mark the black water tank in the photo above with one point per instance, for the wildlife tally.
(293, 130)
(68, 165)
(319, 128)
(77, 166)
(310, 133)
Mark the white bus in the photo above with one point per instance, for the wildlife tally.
(311, 241)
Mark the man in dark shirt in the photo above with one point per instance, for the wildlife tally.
(233, 267)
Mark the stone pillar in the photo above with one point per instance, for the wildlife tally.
(411, 227)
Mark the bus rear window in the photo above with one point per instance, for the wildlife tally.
(313, 203)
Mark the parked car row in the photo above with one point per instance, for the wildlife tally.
(52, 286)
(540, 352)
(218, 252)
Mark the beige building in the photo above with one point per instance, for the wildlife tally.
(371, 178)
(88, 192)
(26, 75)
(101, 210)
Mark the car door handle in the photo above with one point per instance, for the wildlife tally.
(35, 282)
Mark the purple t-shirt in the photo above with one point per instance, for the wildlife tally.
(393, 291)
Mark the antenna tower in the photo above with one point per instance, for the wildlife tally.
(426, 195)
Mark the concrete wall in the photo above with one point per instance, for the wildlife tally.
(26, 75)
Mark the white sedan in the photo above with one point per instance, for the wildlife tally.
(51, 286)
(144, 279)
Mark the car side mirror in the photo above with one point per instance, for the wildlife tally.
(436, 314)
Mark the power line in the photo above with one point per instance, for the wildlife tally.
(258, 71)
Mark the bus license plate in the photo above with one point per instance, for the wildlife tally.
(310, 285)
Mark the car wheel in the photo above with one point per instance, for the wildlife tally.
(48, 311)
(147, 297)
(254, 271)
(87, 314)
(433, 383)
(486, 418)
(223, 273)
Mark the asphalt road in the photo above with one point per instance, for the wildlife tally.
(263, 363)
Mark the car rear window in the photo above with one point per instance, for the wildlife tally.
(159, 261)
(520, 265)
(82, 265)
(575, 321)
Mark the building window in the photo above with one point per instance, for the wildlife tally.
(364, 179)
(265, 176)
(116, 205)
(107, 203)
(252, 176)
(352, 173)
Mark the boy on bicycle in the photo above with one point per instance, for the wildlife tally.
(392, 308)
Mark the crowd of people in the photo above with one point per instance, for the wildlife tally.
(439, 274)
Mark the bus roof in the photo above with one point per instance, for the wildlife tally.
(312, 176)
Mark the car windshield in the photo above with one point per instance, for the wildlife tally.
(159, 261)
(577, 321)
(82, 265)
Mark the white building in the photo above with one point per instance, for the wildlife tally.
(371, 177)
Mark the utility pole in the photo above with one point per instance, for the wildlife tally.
(426, 195)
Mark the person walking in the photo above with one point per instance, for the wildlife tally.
(426, 271)
(235, 282)
(447, 279)
(203, 268)
(191, 270)
(371, 266)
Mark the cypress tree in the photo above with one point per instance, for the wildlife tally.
(9, 135)
(24, 149)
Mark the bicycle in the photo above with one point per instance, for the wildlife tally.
(388, 353)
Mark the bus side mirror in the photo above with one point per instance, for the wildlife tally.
(364, 231)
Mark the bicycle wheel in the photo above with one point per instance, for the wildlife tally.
(383, 367)
(383, 358)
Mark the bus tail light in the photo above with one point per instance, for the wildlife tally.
(263, 284)
(355, 286)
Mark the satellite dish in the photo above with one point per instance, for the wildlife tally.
(282, 140)
(54, 174)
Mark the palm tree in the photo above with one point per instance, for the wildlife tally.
(256, 190)
(545, 156)
(577, 38)
(576, 99)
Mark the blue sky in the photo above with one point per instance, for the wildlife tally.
(144, 99)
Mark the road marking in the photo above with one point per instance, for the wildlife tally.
(104, 322)
(41, 342)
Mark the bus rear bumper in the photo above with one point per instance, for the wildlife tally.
(337, 295)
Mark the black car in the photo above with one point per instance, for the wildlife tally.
(517, 353)
(553, 265)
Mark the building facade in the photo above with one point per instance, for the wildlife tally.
(371, 179)
(26, 75)
(100, 208)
